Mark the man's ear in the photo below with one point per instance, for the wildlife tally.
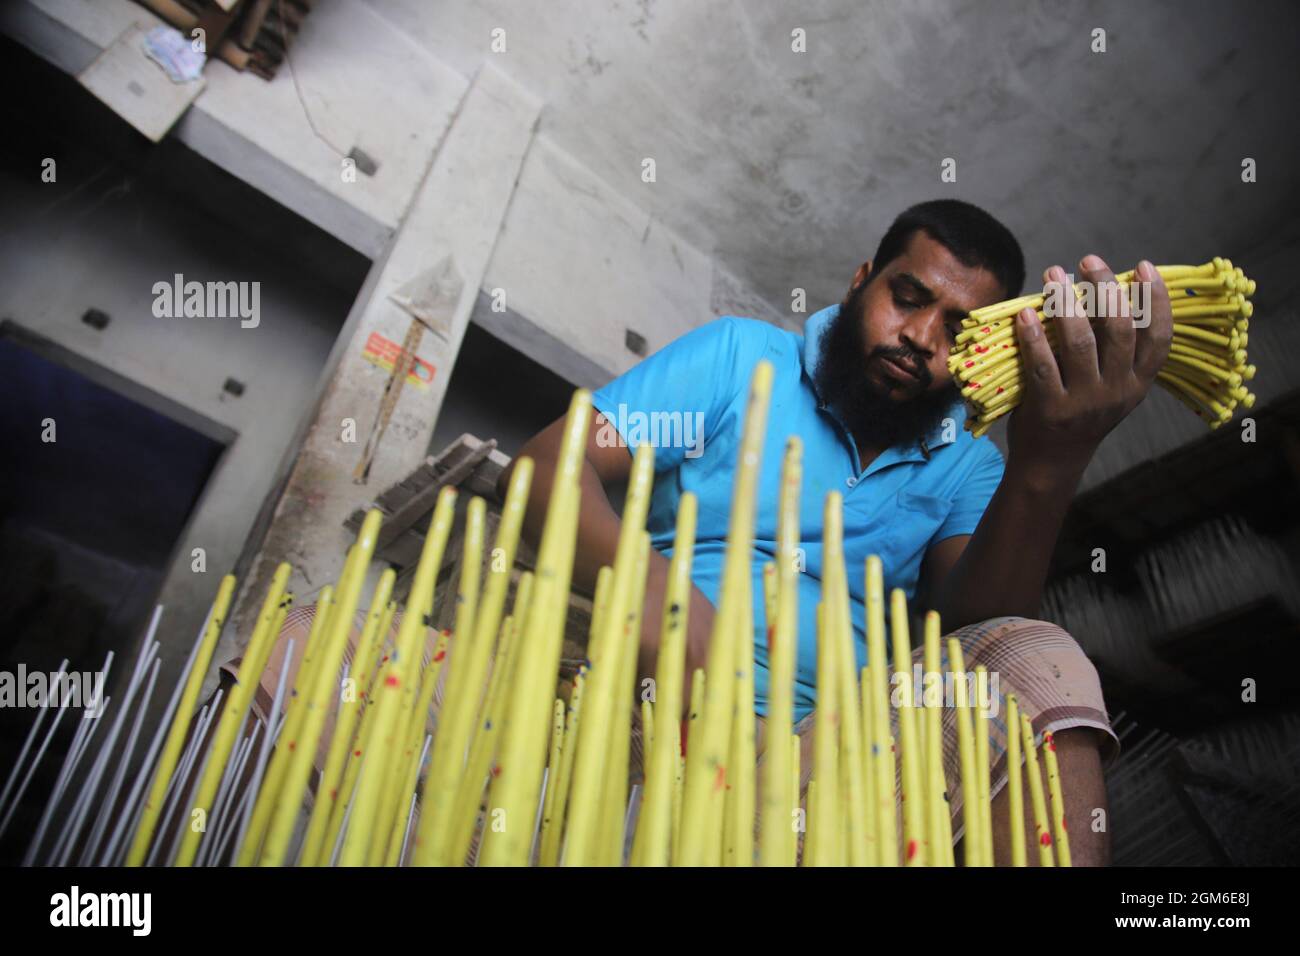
(861, 276)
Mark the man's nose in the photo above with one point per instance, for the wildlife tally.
(924, 333)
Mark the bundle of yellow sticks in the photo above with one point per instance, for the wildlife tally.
(515, 776)
(1207, 356)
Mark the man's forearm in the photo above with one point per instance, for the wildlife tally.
(1004, 565)
(598, 523)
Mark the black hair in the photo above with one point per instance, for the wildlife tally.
(972, 235)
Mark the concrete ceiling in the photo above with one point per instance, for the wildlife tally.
(789, 166)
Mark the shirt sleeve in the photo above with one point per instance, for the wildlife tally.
(675, 398)
(975, 494)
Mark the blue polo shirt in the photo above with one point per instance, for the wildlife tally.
(688, 400)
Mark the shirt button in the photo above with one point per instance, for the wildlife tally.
(850, 481)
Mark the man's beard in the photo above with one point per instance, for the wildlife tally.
(868, 411)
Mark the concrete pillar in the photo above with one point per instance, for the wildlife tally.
(454, 218)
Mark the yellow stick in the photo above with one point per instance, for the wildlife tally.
(1058, 799)
(553, 825)
(583, 843)
(740, 798)
(176, 734)
(469, 799)
(810, 837)
(869, 761)
(913, 803)
(826, 812)
(855, 797)
(514, 794)
(364, 736)
(402, 668)
(936, 790)
(616, 779)
(694, 721)
(346, 722)
(279, 765)
(776, 844)
(470, 655)
(769, 590)
(647, 725)
(486, 625)
(1041, 835)
(707, 753)
(554, 760)
(979, 714)
(971, 847)
(795, 811)
(715, 832)
(882, 756)
(1015, 787)
(653, 845)
(406, 767)
(891, 769)
(288, 802)
(417, 724)
(232, 716)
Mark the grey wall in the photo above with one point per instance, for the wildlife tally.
(100, 236)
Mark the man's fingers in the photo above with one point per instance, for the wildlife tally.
(1042, 377)
(1076, 343)
(1152, 347)
(1114, 326)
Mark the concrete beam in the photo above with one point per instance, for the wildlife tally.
(288, 137)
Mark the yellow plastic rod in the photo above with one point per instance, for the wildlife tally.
(176, 734)
(232, 716)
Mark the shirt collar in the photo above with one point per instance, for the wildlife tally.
(817, 325)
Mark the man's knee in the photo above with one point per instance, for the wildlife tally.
(1048, 641)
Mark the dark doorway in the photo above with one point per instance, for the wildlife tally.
(88, 523)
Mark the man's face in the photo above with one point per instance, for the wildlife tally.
(885, 363)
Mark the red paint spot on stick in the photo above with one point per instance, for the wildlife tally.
(440, 655)
(1045, 839)
(390, 680)
(911, 849)
(721, 778)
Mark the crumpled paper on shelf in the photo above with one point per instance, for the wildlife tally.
(171, 50)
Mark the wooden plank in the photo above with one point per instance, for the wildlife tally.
(422, 502)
